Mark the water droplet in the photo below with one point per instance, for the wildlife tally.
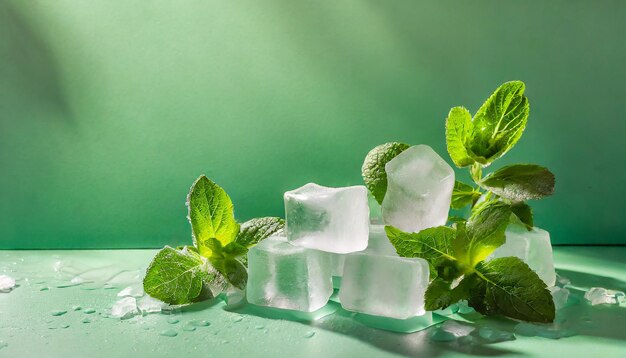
(168, 333)
(189, 328)
(65, 325)
(238, 319)
(76, 308)
(44, 289)
(58, 313)
(172, 320)
(86, 320)
(89, 310)
(225, 342)
(199, 323)
(259, 326)
(3, 344)
(309, 334)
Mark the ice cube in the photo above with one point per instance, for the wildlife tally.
(533, 247)
(125, 308)
(286, 276)
(6, 283)
(384, 285)
(328, 219)
(600, 296)
(456, 328)
(419, 189)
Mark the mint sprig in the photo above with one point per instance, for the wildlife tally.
(217, 260)
(457, 254)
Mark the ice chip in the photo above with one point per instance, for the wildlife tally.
(286, 276)
(328, 219)
(493, 335)
(419, 189)
(6, 283)
(602, 296)
(148, 305)
(533, 247)
(384, 285)
(125, 308)
(559, 296)
(132, 291)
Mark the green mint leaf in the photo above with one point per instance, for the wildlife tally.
(210, 214)
(234, 249)
(433, 244)
(499, 122)
(255, 230)
(520, 182)
(458, 129)
(440, 293)
(181, 277)
(485, 229)
(373, 170)
(453, 219)
(234, 271)
(524, 213)
(508, 287)
(463, 195)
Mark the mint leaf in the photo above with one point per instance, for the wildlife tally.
(440, 293)
(458, 128)
(181, 276)
(255, 230)
(524, 213)
(463, 195)
(210, 214)
(509, 287)
(234, 271)
(433, 244)
(373, 169)
(234, 249)
(485, 229)
(498, 124)
(520, 182)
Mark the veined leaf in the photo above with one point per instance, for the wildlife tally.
(440, 293)
(463, 195)
(510, 288)
(255, 230)
(485, 229)
(458, 129)
(520, 182)
(498, 124)
(234, 271)
(524, 213)
(211, 214)
(433, 244)
(373, 170)
(182, 277)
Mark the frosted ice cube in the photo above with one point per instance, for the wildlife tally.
(533, 247)
(419, 189)
(384, 285)
(601, 296)
(125, 308)
(286, 276)
(328, 219)
(6, 283)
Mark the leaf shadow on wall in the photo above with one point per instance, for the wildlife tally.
(30, 85)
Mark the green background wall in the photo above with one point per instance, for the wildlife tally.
(110, 109)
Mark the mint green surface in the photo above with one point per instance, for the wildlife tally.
(31, 324)
(110, 109)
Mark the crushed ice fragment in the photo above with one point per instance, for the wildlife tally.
(131, 291)
(559, 296)
(125, 308)
(493, 335)
(600, 296)
(148, 304)
(456, 328)
(562, 281)
(6, 283)
(58, 312)
(168, 333)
